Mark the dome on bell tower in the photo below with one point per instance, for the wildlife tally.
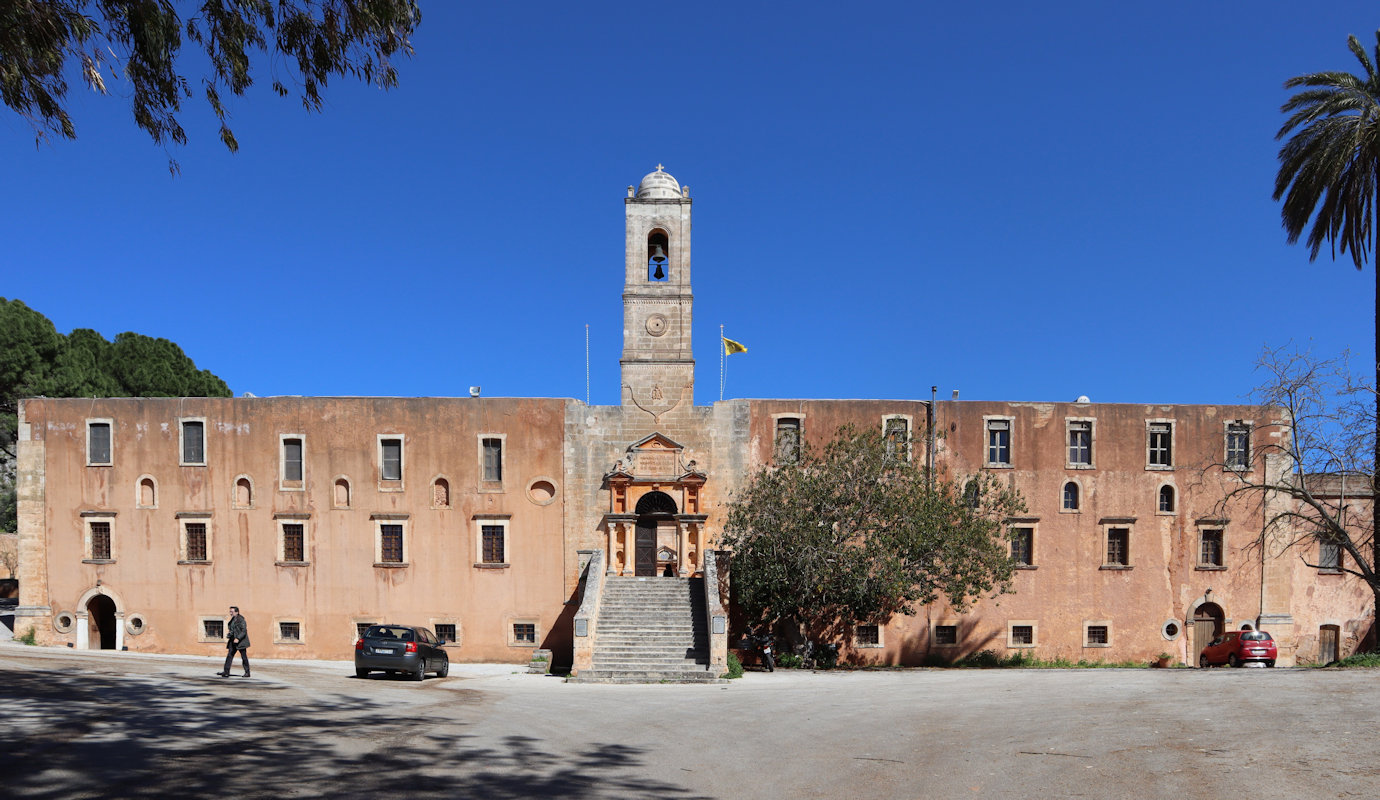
(658, 186)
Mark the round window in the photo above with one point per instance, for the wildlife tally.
(135, 624)
(64, 622)
(1171, 630)
(542, 492)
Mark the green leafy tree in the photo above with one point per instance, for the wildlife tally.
(1329, 173)
(44, 43)
(855, 534)
(36, 360)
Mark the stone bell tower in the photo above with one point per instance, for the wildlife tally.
(658, 368)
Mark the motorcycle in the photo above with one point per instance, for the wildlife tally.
(764, 645)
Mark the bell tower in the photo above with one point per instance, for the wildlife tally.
(658, 368)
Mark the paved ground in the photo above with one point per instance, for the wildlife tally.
(119, 725)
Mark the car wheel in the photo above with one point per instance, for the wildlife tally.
(1233, 661)
(361, 673)
(419, 674)
(1203, 661)
(1270, 663)
(445, 669)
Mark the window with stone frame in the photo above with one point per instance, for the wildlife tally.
(99, 537)
(867, 636)
(525, 634)
(1096, 636)
(194, 534)
(390, 543)
(999, 442)
(1022, 635)
(1023, 546)
(1210, 544)
(1329, 556)
(212, 629)
(1238, 455)
(98, 443)
(292, 459)
(1160, 444)
(1070, 496)
(390, 459)
(492, 450)
(1080, 443)
(1166, 504)
(493, 544)
(896, 431)
(445, 631)
(787, 440)
(294, 542)
(946, 634)
(289, 632)
(1118, 547)
(193, 442)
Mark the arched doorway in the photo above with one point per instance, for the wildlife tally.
(100, 611)
(655, 511)
(1208, 623)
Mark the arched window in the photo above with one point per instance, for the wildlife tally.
(658, 256)
(656, 503)
(1167, 499)
(148, 493)
(1070, 496)
(342, 493)
(440, 493)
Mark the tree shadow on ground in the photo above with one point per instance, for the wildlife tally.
(94, 736)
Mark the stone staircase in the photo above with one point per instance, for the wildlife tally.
(651, 630)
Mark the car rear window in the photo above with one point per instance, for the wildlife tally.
(1255, 636)
(389, 632)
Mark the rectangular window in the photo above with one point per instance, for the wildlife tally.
(1238, 445)
(1160, 444)
(493, 460)
(98, 444)
(1118, 547)
(493, 536)
(212, 629)
(1210, 548)
(100, 541)
(999, 442)
(193, 442)
(1330, 557)
(289, 632)
(445, 632)
(867, 636)
(788, 440)
(195, 533)
(1080, 444)
(1022, 634)
(1096, 636)
(1023, 546)
(946, 634)
(361, 627)
(525, 633)
(390, 459)
(294, 542)
(391, 544)
(897, 433)
(292, 459)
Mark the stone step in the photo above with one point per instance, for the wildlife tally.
(620, 676)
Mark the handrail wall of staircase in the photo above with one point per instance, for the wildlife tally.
(714, 611)
(586, 619)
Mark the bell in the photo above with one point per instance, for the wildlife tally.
(660, 274)
(658, 255)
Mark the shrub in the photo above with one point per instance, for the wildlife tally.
(789, 661)
(29, 636)
(735, 667)
(1360, 660)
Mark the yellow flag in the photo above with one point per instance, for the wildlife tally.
(731, 347)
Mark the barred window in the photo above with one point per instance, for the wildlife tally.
(493, 544)
(290, 631)
(391, 544)
(1097, 634)
(946, 634)
(196, 541)
(213, 629)
(445, 632)
(100, 541)
(361, 627)
(868, 636)
(524, 633)
(1023, 634)
(294, 542)
(897, 433)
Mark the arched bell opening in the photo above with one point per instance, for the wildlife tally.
(655, 525)
(658, 256)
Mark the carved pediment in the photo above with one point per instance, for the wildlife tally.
(655, 441)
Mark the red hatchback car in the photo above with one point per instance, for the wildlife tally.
(1239, 647)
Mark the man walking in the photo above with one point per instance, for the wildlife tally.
(237, 638)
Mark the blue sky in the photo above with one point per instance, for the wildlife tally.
(1019, 201)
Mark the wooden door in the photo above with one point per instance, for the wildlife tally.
(1327, 644)
(646, 548)
(1207, 625)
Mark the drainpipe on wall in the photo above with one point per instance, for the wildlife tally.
(929, 458)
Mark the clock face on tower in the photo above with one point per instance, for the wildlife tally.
(656, 324)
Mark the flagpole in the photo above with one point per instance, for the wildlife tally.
(723, 363)
(586, 363)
